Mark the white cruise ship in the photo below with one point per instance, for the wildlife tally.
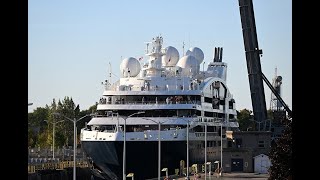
(167, 92)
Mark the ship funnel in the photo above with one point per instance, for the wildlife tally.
(217, 54)
(220, 58)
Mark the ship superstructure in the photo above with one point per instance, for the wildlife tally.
(167, 92)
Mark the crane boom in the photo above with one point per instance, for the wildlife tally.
(277, 95)
(253, 61)
(255, 74)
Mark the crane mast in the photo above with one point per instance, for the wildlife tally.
(253, 61)
(256, 77)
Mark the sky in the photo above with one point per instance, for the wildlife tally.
(71, 43)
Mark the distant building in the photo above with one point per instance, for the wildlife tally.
(242, 147)
(239, 150)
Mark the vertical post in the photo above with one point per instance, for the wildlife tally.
(53, 140)
(159, 151)
(221, 150)
(74, 148)
(188, 150)
(167, 176)
(210, 170)
(205, 151)
(124, 149)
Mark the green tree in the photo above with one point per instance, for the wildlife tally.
(36, 125)
(281, 156)
(66, 108)
(63, 129)
(244, 118)
(35, 119)
(81, 124)
(43, 140)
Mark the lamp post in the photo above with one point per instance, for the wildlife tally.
(159, 144)
(53, 134)
(187, 149)
(205, 151)
(74, 138)
(221, 151)
(187, 176)
(124, 143)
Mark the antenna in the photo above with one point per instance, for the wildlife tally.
(147, 50)
(110, 72)
(183, 48)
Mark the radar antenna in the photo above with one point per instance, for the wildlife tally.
(110, 72)
(183, 48)
(147, 49)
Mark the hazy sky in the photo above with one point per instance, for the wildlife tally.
(70, 43)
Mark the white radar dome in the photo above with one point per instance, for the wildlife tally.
(189, 65)
(130, 67)
(171, 57)
(197, 53)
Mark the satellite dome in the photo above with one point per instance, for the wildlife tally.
(130, 67)
(171, 57)
(189, 65)
(197, 53)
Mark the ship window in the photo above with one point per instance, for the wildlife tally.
(222, 101)
(208, 114)
(230, 105)
(208, 100)
(221, 115)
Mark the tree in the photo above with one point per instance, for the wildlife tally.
(91, 110)
(36, 125)
(244, 116)
(281, 155)
(35, 119)
(40, 132)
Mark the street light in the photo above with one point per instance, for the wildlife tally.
(187, 176)
(220, 172)
(205, 150)
(53, 133)
(124, 143)
(74, 138)
(159, 144)
(188, 150)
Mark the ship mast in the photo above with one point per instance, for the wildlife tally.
(154, 68)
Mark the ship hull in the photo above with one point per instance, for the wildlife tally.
(141, 157)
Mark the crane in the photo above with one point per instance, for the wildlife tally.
(256, 77)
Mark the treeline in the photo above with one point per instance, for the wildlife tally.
(245, 119)
(41, 120)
